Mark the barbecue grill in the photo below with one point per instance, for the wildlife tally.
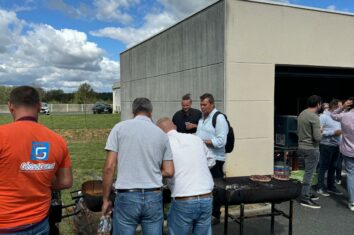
(241, 191)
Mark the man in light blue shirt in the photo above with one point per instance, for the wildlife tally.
(215, 139)
(329, 150)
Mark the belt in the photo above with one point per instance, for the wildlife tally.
(140, 190)
(194, 197)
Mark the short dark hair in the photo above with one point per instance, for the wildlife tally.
(352, 99)
(187, 97)
(333, 103)
(208, 96)
(141, 105)
(24, 96)
(313, 101)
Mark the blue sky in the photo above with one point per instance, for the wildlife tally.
(59, 44)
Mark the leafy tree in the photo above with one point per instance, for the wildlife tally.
(4, 94)
(85, 94)
(54, 95)
(41, 92)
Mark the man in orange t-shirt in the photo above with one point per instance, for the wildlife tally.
(33, 161)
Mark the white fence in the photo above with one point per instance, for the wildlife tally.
(60, 108)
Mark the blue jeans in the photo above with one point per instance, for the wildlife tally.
(41, 228)
(133, 208)
(349, 168)
(328, 159)
(311, 157)
(190, 216)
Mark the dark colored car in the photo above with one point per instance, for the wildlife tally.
(101, 108)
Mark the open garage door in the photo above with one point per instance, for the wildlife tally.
(293, 84)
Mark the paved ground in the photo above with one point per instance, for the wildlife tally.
(334, 218)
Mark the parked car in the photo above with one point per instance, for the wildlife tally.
(45, 108)
(101, 108)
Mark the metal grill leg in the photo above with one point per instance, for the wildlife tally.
(242, 217)
(226, 215)
(291, 213)
(272, 219)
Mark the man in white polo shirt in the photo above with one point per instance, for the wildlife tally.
(192, 184)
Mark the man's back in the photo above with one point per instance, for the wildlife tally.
(309, 131)
(30, 155)
(141, 148)
(192, 175)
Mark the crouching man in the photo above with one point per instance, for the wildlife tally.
(192, 184)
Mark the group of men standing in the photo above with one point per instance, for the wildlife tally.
(324, 139)
(182, 150)
(188, 150)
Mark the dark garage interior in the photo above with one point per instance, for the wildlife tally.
(293, 84)
(292, 87)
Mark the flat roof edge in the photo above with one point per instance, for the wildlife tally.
(269, 2)
(300, 7)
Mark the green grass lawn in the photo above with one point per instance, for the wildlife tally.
(86, 136)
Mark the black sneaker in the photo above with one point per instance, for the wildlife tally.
(310, 204)
(322, 192)
(314, 197)
(334, 191)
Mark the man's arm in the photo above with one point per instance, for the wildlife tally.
(108, 174)
(221, 130)
(63, 179)
(167, 168)
(209, 156)
(316, 129)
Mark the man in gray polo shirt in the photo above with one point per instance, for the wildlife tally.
(144, 156)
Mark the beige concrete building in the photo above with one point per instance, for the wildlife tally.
(116, 98)
(258, 58)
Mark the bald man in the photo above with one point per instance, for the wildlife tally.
(192, 184)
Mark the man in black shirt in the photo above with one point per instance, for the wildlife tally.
(187, 119)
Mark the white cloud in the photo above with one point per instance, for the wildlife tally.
(280, 1)
(110, 10)
(183, 8)
(131, 36)
(104, 10)
(51, 58)
(332, 7)
(173, 11)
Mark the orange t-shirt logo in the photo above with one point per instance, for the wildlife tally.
(40, 151)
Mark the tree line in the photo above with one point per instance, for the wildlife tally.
(85, 94)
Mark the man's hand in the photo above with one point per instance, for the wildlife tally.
(190, 125)
(209, 143)
(106, 207)
(347, 104)
(337, 133)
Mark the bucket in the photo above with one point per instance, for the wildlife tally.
(299, 175)
(281, 170)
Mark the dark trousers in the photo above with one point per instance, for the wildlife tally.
(328, 159)
(217, 172)
(339, 167)
(311, 157)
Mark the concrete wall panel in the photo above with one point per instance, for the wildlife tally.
(250, 81)
(266, 33)
(251, 156)
(187, 58)
(251, 119)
